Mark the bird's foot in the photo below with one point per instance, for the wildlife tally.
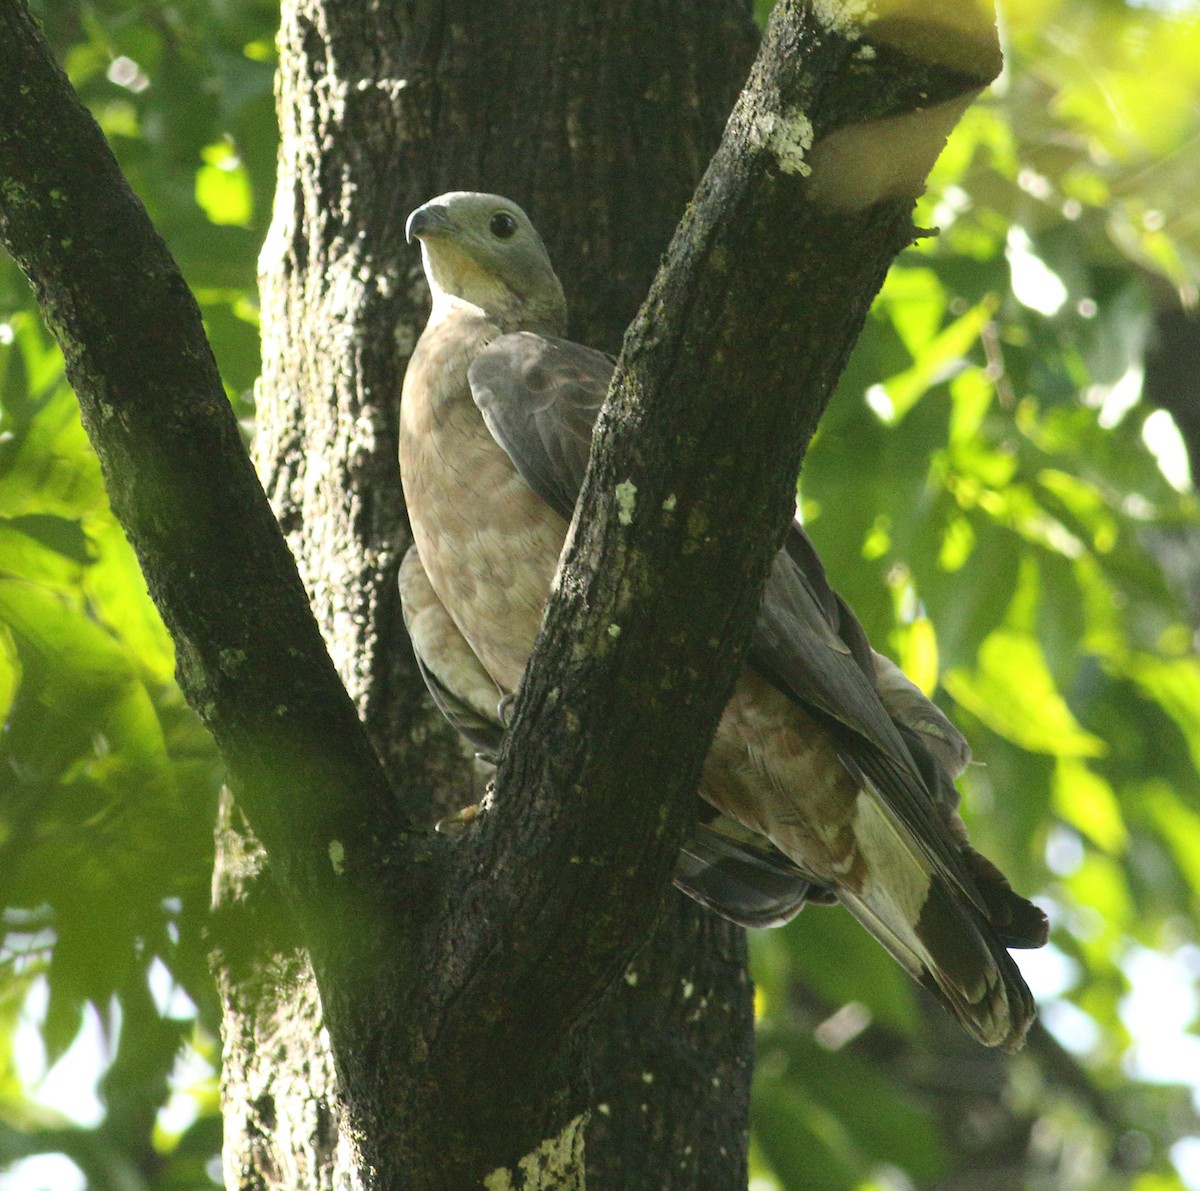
(458, 822)
(504, 710)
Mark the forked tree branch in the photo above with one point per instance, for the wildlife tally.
(721, 383)
(250, 658)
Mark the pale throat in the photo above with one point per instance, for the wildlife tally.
(456, 282)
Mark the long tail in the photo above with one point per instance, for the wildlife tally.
(939, 927)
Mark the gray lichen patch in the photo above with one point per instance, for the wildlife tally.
(626, 494)
(556, 1165)
(846, 17)
(787, 136)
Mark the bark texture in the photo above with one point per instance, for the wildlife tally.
(599, 120)
(527, 1005)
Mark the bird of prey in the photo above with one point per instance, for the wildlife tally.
(830, 776)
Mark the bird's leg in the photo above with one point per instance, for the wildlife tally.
(457, 823)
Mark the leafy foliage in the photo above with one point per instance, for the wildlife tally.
(109, 782)
(992, 489)
(1005, 509)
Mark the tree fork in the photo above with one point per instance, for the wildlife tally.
(765, 287)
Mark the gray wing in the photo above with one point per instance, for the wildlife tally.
(539, 397)
(907, 704)
(890, 737)
(808, 643)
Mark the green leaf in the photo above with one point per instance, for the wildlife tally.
(23, 558)
(1012, 691)
(803, 1087)
(222, 187)
(1087, 802)
(89, 693)
(1180, 827)
(827, 951)
(117, 592)
(10, 672)
(1100, 884)
(1175, 686)
(938, 358)
(64, 1016)
(53, 469)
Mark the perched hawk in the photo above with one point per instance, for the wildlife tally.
(830, 775)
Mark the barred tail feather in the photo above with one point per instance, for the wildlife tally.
(941, 936)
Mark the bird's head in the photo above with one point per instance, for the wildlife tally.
(482, 249)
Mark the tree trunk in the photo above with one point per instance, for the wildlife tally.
(472, 1024)
(599, 121)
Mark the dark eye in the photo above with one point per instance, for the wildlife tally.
(502, 225)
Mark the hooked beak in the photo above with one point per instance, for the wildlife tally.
(431, 218)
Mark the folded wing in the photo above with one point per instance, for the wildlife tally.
(936, 904)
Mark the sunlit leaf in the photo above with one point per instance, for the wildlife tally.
(1088, 802)
(24, 558)
(938, 358)
(1180, 826)
(117, 591)
(919, 653)
(1175, 685)
(1011, 690)
(222, 188)
(1100, 884)
(53, 469)
(10, 671)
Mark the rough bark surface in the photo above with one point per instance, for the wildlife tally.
(599, 120)
(515, 1007)
(277, 1069)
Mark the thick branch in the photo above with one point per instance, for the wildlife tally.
(250, 658)
(764, 290)
(719, 388)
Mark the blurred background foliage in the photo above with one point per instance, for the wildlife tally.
(108, 1017)
(1002, 488)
